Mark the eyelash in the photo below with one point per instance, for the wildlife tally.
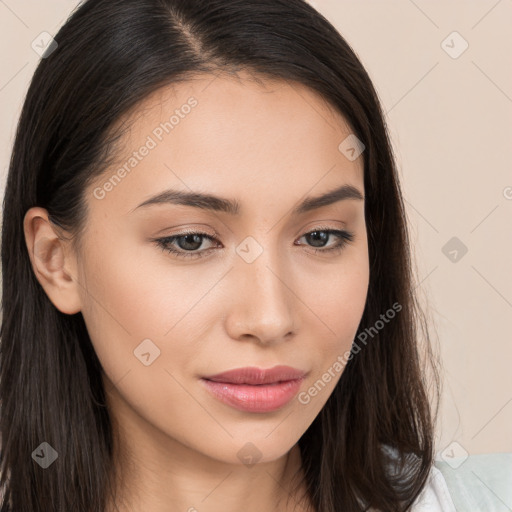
(346, 237)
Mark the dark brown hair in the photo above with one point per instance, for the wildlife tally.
(112, 54)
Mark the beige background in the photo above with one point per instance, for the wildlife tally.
(450, 120)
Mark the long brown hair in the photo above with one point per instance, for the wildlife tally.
(110, 55)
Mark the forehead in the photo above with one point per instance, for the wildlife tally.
(231, 135)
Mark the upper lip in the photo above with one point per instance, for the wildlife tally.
(253, 375)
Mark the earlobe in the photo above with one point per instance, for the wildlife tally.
(53, 264)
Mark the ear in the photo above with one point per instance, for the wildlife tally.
(52, 261)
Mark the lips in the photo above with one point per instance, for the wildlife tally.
(257, 376)
(255, 390)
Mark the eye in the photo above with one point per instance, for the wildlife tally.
(186, 245)
(320, 235)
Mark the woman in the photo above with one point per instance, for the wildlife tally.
(207, 289)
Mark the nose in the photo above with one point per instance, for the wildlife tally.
(263, 306)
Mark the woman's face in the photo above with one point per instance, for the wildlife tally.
(254, 294)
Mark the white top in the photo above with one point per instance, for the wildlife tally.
(435, 496)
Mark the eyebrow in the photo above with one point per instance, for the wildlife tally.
(232, 206)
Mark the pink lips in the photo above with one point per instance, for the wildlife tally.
(256, 390)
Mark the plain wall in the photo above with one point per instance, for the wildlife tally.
(449, 114)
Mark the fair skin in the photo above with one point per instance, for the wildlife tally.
(269, 147)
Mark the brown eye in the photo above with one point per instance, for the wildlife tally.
(187, 243)
(319, 237)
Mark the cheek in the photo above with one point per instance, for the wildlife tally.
(129, 309)
(338, 304)
(338, 311)
(131, 288)
(337, 295)
(119, 306)
(132, 295)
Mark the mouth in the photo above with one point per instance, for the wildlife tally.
(254, 389)
(258, 398)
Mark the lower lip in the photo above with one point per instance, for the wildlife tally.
(263, 398)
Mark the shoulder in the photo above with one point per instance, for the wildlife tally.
(479, 481)
(435, 496)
